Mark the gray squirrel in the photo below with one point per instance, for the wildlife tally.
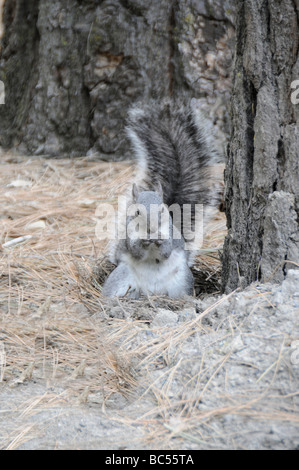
(174, 150)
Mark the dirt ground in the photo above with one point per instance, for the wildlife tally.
(78, 371)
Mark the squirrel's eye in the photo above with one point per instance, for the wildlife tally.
(137, 212)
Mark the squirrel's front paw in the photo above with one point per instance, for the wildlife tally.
(165, 248)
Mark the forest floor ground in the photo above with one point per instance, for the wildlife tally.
(78, 371)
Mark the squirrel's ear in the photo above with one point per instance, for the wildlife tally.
(159, 189)
(135, 192)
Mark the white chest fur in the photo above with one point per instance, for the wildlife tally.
(164, 277)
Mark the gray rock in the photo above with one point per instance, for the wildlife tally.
(164, 318)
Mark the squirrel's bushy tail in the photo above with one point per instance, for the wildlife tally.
(173, 144)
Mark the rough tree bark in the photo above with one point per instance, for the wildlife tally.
(262, 174)
(72, 68)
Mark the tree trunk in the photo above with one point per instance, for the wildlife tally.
(262, 174)
(71, 68)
